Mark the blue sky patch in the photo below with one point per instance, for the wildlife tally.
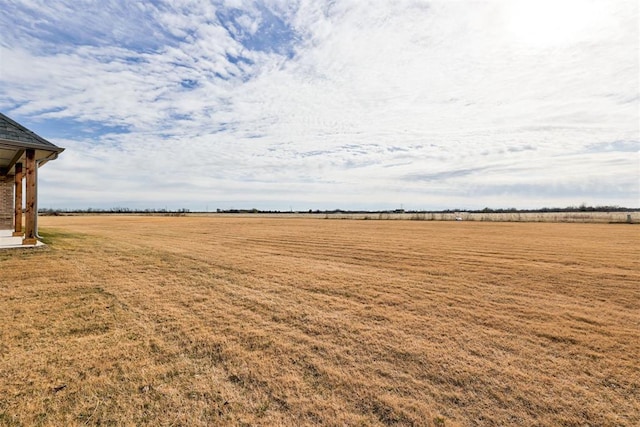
(67, 128)
(271, 33)
(103, 24)
(189, 83)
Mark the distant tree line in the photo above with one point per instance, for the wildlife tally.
(581, 208)
(117, 210)
(184, 211)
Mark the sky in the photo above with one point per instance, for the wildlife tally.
(328, 104)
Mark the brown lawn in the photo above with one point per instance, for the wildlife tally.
(262, 321)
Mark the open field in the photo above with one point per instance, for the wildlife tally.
(269, 321)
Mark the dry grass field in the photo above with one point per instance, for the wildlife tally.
(265, 321)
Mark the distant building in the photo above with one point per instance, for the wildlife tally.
(22, 152)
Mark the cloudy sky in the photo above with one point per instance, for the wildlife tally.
(322, 104)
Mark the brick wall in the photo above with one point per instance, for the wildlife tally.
(6, 202)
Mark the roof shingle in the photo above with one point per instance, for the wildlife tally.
(15, 132)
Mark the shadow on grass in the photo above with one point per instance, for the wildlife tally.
(52, 236)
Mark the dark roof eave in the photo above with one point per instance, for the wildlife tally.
(21, 144)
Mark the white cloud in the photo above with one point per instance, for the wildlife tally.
(423, 103)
